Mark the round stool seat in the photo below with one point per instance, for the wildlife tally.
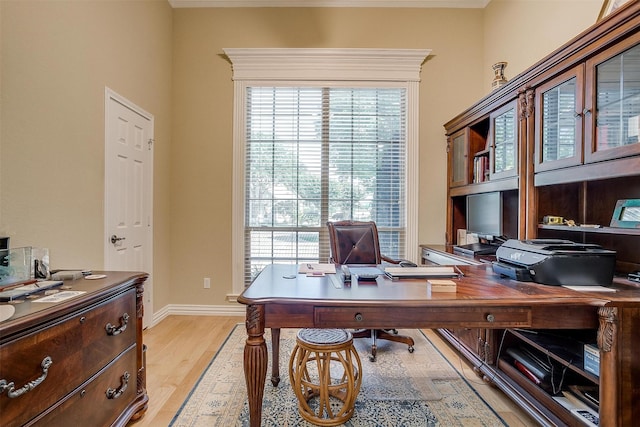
(325, 373)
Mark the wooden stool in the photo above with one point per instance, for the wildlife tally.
(322, 399)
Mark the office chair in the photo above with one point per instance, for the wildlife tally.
(356, 242)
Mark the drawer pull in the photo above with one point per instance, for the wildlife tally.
(112, 330)
(359, 317)
(491, 318)
(10, 387)
(116, 393)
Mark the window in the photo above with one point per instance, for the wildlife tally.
(315, 154)
(309, 150)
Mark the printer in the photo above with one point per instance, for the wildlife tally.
(555, 262)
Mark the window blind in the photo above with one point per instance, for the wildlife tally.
(318, 154)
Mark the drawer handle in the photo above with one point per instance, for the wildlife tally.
(10, 387)
(359, 317)
(491, 318)
(124, 383)
(112, 330)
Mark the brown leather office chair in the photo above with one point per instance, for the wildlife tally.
(356, 242)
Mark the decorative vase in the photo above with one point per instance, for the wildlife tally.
(499, 79)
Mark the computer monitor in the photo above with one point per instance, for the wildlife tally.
(4, 252)
(484, 215)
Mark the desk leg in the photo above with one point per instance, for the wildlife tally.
(275, 359)
(255, 362)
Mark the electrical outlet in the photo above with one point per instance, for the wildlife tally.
(207, 283)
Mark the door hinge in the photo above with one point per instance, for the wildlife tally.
(150, 142)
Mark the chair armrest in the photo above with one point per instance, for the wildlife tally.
(402, 262)
(391, 260)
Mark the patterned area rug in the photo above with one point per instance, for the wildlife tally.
(399, 389)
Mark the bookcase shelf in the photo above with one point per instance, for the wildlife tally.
(595, 230)
(554, 344)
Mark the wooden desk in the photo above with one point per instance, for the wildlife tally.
(482, 300)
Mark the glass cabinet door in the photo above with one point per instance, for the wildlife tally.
(559, 110)
(613, 93)
(504, 142)
(458, 158)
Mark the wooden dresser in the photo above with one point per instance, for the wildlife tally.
(78, 361)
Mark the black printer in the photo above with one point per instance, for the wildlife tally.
(555, 262)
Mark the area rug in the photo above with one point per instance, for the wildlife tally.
(399, 389)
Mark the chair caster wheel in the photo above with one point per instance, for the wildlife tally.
(372, 358)
(411, 349)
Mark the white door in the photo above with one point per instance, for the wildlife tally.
(128, 191)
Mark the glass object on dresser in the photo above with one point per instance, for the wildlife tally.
(504, 142)
(614, 92)
(559, 123)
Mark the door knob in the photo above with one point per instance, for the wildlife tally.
(115, 239)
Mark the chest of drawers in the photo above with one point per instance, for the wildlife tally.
(79, 361)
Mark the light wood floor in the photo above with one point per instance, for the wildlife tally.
(179, 348)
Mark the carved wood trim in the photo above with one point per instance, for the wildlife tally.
(531, 98)
(141, 374)
(140, 301)
(255, 320)
(526, 102)
(608, 327)
(522, 109)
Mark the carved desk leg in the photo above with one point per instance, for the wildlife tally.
(255, 362)
(275, 359)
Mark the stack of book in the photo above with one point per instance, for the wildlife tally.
(480, 168)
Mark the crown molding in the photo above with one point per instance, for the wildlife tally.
(463, 4)
(327, 64)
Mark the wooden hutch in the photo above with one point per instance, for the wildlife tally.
(562, 139)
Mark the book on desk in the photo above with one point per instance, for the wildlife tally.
(395, 273)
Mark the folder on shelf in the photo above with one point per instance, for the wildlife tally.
(538, 369)
(527, 373)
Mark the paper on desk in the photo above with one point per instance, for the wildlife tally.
(60, 296)
(590, 288)
(317, 268)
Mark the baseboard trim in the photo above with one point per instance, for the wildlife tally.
(197, 310)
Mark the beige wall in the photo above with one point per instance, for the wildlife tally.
(57, 57)
(203, 95)
(522, 32)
